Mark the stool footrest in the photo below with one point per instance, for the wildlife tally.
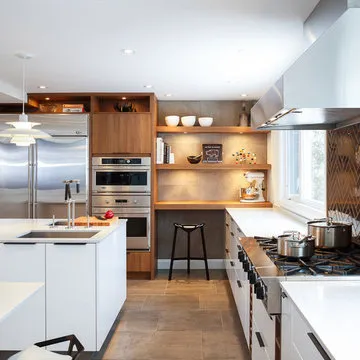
(191, 258)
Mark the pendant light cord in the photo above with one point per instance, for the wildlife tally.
(23, 84)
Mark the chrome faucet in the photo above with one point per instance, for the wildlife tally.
(70, 202)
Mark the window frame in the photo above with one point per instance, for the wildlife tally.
(307, 208)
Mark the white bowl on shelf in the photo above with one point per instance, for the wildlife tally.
(172, 120)
(205, 121)
(188, 120)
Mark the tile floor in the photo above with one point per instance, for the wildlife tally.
(186, 318)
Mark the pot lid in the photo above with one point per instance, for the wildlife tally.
(328, 222)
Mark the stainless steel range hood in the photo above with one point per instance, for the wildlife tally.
(321, 90)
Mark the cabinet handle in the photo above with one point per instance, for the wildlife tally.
(232, 234)
(318, 346)
(239, 283)
(259, 338)
(227, 225)
(19, 243)
(69, 243)
(232, 263)
(283, 295)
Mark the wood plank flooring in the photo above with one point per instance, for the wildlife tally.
(186, 318)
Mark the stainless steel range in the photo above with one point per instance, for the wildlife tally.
(265, 268)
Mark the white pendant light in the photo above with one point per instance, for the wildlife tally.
(22, 132)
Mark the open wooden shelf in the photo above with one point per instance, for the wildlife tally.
(209, 129)
(122, 113)
(207, 205)
(216, 166)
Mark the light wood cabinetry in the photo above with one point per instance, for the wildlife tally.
(138, 261)
(206, 186)
(121, 133)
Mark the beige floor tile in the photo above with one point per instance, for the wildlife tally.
(171, 302)
(177, 338)
(222, 287)
(138, 321)
(134, 302)
(230, 320)
(190, 287)
(221, 352)
(187, 318)
(190, 320)
(216, 302)
(222, 337)
(147, 287)
(159, 345)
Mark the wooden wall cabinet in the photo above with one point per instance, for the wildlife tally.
(121, 133)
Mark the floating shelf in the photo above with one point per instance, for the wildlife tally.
(217, 166)
(209, 129)
(208, 205)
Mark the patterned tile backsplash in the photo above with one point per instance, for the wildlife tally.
(343, 176)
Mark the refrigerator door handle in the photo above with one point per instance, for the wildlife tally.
(35, 179)
(29, 183)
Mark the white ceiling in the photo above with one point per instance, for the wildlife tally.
(193, 49)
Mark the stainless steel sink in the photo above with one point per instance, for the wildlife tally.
(59, 234)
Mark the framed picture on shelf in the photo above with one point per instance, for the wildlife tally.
(212, 153)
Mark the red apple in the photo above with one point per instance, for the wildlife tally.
(109, 215)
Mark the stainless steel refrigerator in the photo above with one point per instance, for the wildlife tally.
(31, 178)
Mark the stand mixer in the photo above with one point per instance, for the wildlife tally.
(253, 193)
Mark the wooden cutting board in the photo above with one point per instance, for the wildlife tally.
(82, 221)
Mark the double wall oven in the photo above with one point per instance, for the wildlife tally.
(123, 185)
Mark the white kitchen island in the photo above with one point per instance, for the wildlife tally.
(84, 277)
(325, 313)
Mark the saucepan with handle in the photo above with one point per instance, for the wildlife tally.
(293, 244)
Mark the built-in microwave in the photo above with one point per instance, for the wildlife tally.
(118, 174)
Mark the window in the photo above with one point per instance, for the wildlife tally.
(304, 172)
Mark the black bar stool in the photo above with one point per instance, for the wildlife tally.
(189, 229)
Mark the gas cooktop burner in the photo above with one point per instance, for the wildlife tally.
(323, 262)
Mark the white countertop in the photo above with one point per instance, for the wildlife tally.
(11, 229)
(332, 310)
(266, 221)
(12, 294)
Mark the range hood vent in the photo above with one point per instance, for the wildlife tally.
(321, 90)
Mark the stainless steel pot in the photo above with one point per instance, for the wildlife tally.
(293, 245)
(329, 234)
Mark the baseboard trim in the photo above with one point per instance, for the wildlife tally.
(195, 264)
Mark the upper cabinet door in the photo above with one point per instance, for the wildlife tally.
(121, 133)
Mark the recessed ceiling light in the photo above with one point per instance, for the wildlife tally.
(42, 87)
(244, 95)
(148, 86)
(127, 51)
(123, 98)
(47, 98)
(168, 95)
